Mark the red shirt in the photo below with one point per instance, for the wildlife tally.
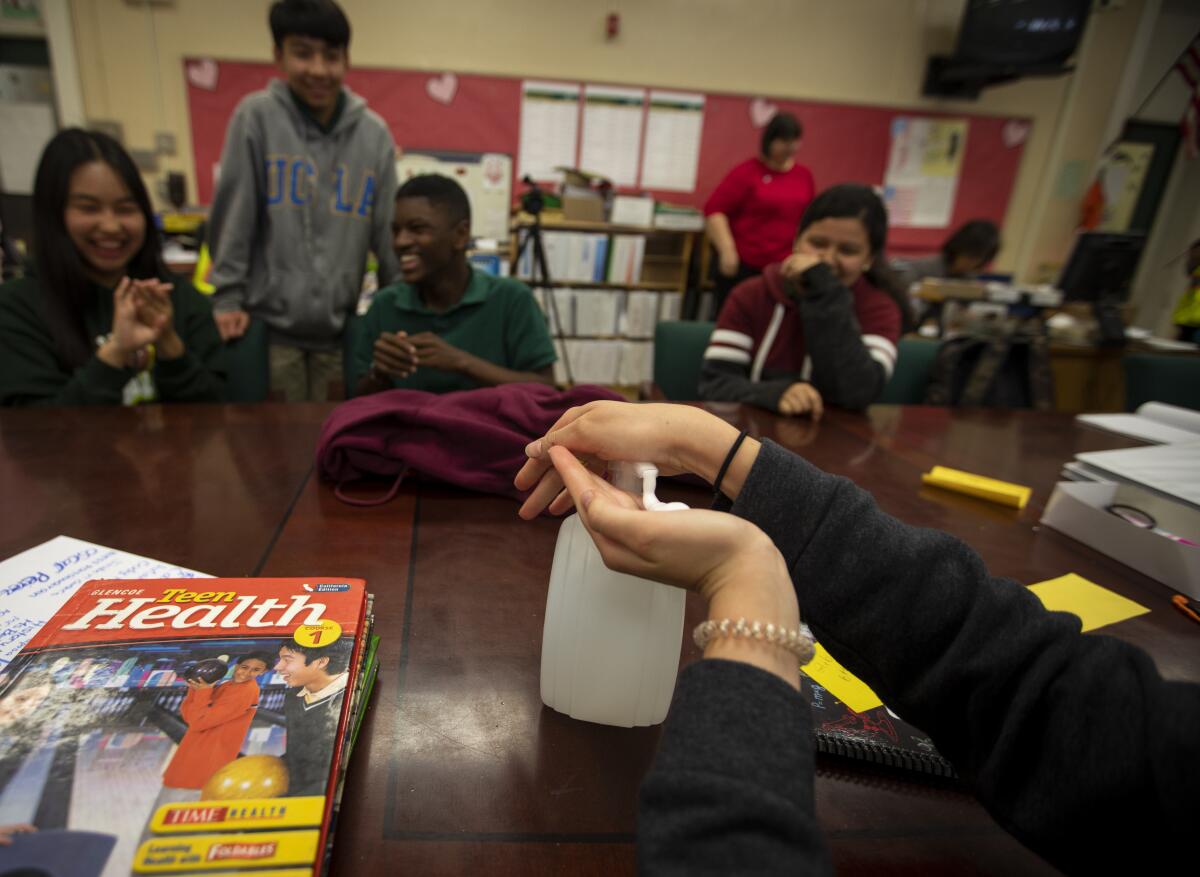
(764, 207)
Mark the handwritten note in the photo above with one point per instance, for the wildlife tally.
(840, 682)
(35, 583)
(1096, 606)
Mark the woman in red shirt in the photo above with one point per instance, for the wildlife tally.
(752, 216)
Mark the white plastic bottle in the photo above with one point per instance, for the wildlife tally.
(610, 642)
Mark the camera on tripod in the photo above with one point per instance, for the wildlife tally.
(534, 198)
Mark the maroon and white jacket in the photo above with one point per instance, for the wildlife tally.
(770, 335)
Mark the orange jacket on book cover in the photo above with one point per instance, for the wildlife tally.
(217, 719)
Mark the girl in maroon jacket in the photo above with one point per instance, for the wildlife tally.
(819, 328)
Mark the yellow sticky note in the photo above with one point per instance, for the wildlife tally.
(1003, 492)
(840, 682)
(1095, 605)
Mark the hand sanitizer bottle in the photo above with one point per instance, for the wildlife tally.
(610, 642)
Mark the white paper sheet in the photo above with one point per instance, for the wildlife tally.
(612, 132)
(28, 128)
(549, 128)
(671, 152)
(1153, 422)
(35, 583)
(1170, 469)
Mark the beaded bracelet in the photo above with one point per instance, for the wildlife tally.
(798, 642)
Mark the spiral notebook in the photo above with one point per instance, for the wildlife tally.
(874, 735)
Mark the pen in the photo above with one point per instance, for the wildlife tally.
(1187, 607)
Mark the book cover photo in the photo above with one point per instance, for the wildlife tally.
(179, 726)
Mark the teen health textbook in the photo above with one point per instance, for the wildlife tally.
(181, 726)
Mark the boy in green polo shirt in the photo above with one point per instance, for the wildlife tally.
(447, 326)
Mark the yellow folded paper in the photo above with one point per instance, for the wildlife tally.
(1002, 492)
(1095, 606)
(839, 681)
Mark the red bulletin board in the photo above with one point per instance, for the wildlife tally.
(842, 143)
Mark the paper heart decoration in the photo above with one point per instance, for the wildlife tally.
(442, 88)
(761, 112)
(1014, 133)
(203, 73)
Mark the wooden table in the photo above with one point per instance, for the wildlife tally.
(460, 769)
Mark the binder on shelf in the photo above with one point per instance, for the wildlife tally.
(596, 312)
(640, 314)
(625, 266)
(637, 362)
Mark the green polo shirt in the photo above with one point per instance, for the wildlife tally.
(496, 319)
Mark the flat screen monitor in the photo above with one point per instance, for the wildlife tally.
(1101, 266)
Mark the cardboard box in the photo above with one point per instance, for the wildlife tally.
(583, 208)
(1080, 510)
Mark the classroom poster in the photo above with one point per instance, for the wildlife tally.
(671, 152)
(924, 165)
(549, 129)
(612, 132)
(486, 177)
(1122, 175)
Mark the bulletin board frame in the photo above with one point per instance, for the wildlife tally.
(471, 112)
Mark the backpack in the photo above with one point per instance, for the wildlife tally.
(1008, 367)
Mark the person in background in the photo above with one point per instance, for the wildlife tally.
(305, 191)
(1075, 743)
(964, 254)
(100, 321)
(448, 326)
(1186, 315)
(819, 328)
(752, 215)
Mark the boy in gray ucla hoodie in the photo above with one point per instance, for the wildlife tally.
(306, 185)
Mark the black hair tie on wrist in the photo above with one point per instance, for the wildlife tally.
(728, 459)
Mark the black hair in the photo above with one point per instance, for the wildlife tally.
(60, 268)
(318, 19)
(978, 238)
(783, 126)
(256, 656)
(337, 653)
(441, 192)
(855, 201)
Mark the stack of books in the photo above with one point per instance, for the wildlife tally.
(179, 725)
(678, 217)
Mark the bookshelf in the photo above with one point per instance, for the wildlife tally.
(612, 283)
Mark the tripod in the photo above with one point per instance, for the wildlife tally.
(532, 203)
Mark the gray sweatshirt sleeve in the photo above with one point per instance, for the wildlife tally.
(234, 219)
(731, 787)
(1074, 743)
(722, 381)
(381, 220)
(843, 370)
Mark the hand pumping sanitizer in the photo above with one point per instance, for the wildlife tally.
(610, 643)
